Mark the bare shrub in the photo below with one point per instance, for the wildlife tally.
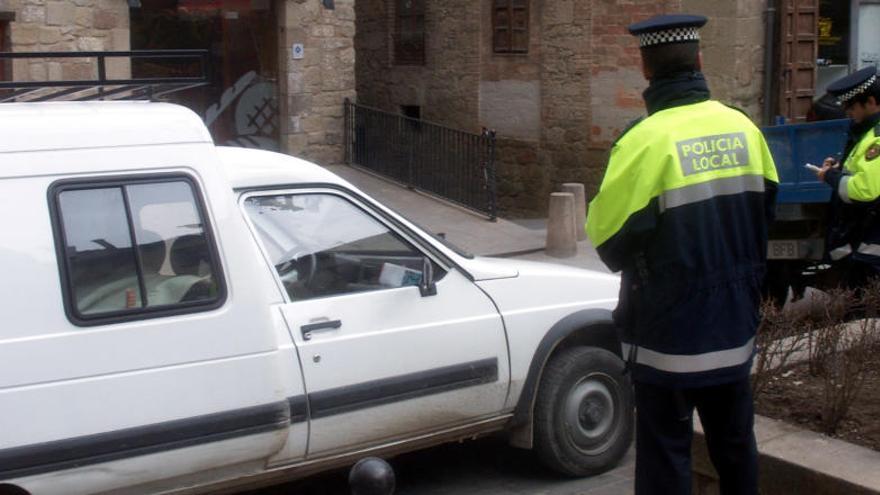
(843, 351)
(824, 341)
(780, 338)
(871, 299)
(845, 373)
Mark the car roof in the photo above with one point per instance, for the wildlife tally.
(76, 125)
(250, 168)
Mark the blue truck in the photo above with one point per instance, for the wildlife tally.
(797, 237)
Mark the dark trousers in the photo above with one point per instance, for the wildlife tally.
(855, 275)
(664, 431)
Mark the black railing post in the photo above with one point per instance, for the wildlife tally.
(410, 150)
(102, 74)
(491, 176)
(456, 165)
(346, 132)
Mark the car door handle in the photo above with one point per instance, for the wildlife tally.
(321, 325)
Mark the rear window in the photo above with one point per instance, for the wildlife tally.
(134, 249)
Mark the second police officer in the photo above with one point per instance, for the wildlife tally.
(853, 240)
(682, 212)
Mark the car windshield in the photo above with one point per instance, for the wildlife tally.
(443, 240)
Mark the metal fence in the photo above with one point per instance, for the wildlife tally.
(455, 165)
(195, 63)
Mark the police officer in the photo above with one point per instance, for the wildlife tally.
(682, 212)
(853, 239)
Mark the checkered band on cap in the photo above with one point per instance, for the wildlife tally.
(861, 88)
(675, 35)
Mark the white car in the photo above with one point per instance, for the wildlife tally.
(183, 318)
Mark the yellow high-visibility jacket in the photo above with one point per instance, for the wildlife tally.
(682, 211)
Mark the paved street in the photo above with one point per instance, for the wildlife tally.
(483, 467)
(487, 466)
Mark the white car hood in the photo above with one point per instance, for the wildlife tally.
(485, 268)
(536, 285)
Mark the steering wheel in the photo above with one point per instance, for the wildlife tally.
(292, 270)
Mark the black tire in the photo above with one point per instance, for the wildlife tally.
(584, 412)
(777, 282)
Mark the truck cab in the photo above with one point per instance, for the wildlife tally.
(797, 236)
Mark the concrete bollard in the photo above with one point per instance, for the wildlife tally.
(580, 208)
(561, 237)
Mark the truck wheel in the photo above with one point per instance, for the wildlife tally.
(777, 282)
(583, 412)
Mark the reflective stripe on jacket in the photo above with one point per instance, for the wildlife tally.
(683, 212)
(859, 189)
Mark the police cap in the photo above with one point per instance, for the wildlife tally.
(666, 29)
(847, 88)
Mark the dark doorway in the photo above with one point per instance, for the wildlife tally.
(240, 106)
(411, 111)
(5, 65)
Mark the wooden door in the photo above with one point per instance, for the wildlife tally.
(799, 48)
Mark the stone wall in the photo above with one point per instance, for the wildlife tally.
(539, 103)
(733, 50)
(510, 83)
(566, 89)
(312, 89)
(372, 43)
(447, 86)
(589, 73)
(68, 25)
(511, 102)
(733, 56)
(558, 108)
(519, 175)
(616, 69)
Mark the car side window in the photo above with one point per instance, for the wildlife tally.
(135, 248)
(323, 245)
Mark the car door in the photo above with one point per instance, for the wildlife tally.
(381, 360)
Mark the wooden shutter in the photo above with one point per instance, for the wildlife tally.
(409, 32)
(799, 48)
(5, 74)
(510, 26)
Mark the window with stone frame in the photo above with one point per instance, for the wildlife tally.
(409, 32)
(510, 26)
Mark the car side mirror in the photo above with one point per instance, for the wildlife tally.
(427, 286)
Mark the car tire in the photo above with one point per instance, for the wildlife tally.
(583, 412)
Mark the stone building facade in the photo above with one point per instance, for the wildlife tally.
(313, 88)
(308, 87)
(559, 104)
(69, 25)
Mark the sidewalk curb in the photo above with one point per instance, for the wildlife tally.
(794, 460)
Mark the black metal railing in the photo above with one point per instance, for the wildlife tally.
(102, 87)
(456, 165)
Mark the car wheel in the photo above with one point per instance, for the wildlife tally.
(584, 412)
